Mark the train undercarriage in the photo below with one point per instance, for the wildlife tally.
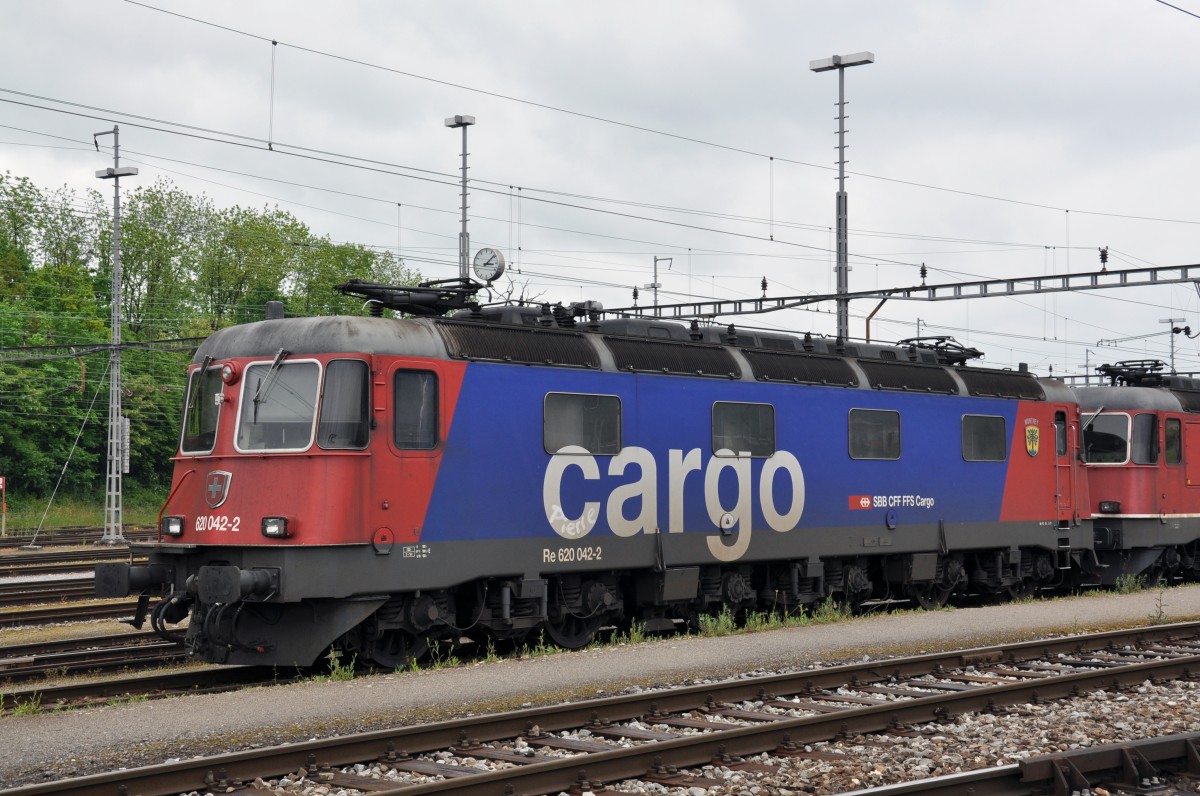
(235, 621)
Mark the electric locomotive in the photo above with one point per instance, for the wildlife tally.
(381, 484)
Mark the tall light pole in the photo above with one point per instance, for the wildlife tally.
(118, 428)
(840, 62)
(655, 285)
(464, 239)
(1173, 331)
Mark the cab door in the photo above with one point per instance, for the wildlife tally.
(1066, 436)
(1171, 473)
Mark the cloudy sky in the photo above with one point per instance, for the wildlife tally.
(988, 140)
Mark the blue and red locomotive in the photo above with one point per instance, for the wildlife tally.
(380, 484)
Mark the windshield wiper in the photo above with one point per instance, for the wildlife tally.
(265, 384)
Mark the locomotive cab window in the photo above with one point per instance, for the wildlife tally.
(1174, 434)
(984, 438)
(202, 411)
(345, 416)
(1060, 433)
(874, 434)
(1106, 439)
(743, 428)
(590, 422)
(1144, 449)
(279, 406)
(415, 409)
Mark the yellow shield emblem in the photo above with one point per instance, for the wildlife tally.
(1032, 438)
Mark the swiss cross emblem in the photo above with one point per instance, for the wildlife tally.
(216, 487)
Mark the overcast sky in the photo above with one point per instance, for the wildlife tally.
(988, 140)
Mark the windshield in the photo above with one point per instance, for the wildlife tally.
(1106, 439)
(203, 411)
(279, 406)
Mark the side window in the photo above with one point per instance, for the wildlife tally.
(984, 438)
(415, 409)
(1174, 440)
(874, 434)
(1060, 433)
(1106, 439)
(345, 420)
(591, 422)
(743, 428)
(202, 412)
(1145, 438)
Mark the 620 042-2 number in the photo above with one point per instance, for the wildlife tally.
(218, 522)
(569, 554)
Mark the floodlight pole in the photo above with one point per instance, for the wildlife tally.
(840, 62)
(1172, 332)
(464, 239)
(655, 285)
(118, 429)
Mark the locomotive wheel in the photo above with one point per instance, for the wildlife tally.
(573, 632)
(399, 649)
(932, 595)
(1022, 589)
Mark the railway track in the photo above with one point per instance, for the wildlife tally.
(57, 562)
(44, 591)
(667, 736)
(69, 535)
(67, 613)
(28, 662)
(1153, 766)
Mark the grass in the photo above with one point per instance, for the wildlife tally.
(1129, 584)
(24, 514)
(340, 671)
(27, 707)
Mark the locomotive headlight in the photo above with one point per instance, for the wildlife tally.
(276, 527)
(1110, 507)
(172, 526)
(229, 373)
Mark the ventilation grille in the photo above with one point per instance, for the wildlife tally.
(1002, 384)
(801, 368)
(903, 376)
(531, 345)
(654, 356)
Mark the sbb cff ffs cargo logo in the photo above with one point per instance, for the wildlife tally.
(858, 502)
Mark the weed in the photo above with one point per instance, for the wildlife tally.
(636, 634)
(439, 661)
(1128, 584)
(829, 611)
(757, 621)
(1159, 616)
(27, 707)
(723, 624)
(339, 671)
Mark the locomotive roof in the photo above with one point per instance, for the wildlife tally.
(323, 335)
(1128, 398)
(632, 347)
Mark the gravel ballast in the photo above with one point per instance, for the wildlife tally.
(73, 743)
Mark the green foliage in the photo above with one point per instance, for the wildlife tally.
(830, 611)
(1159, 615)
(187, 269)
(26, 707)
(722, 624)
(1128, 584)
(339, 670)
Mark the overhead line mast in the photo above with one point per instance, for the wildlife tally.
(118, 426)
